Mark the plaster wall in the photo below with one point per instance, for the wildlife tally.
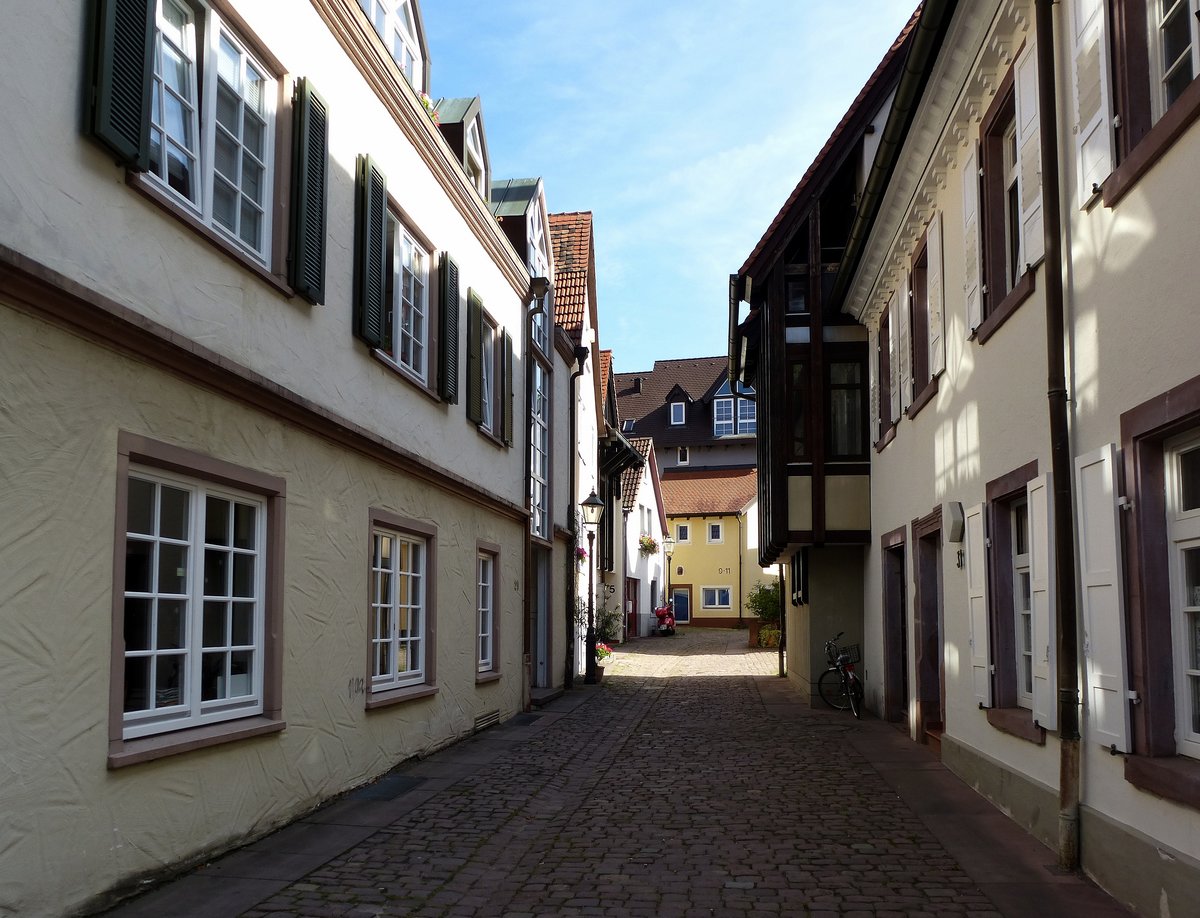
(64, 401)
(646, 568)
(64, 203)
(707, 564)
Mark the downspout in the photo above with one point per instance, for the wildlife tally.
(581, 355)
(782, 627)
(741, 556)
(625, 574)
(1066, 636)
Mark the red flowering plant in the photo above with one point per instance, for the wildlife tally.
(603, 652)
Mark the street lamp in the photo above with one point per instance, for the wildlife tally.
(593, 508)
(668, 550)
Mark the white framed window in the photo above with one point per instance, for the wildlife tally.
(1022, 603)
(486, 607)
(723, 422)
(715, 597)
(539, 447)
(1183, 519)
(476, 167)
(681, 456)
(683, 532)
(1174, 31)
(627, 425)
(716, 533)
(677, 414)
(747, 419)
(406, 326)
(396, 25)
(212, 124)
(194, 603)
(539, 266)
(1012, 206)
(488, 375)
(398, 609)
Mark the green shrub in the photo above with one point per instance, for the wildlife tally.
(763, 601)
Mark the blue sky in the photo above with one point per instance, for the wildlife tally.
(682, 125)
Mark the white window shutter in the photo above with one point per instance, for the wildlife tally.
(1103, 593)
(977, 609)
(894, 354)
(873, 369)
(904, 342)
(971, 266)
(1094, 143)
(1029, 172)
(1040, 494)
(935, 288)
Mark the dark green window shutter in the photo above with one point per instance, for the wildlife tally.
(448, 384)
(506, 402)
(370, 252)
(474, 358)
(121, 67)
(310, 183)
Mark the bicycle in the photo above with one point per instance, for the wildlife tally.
(839, 686)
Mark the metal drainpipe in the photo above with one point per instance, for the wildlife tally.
(1060, 451)
(782, 626)
(581, 355)
(741, 592)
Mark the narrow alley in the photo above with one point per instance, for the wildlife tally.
(691, 782)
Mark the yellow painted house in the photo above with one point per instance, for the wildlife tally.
(712, 515)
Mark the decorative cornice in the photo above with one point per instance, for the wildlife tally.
(31, 287)
(976, 55)
(358, 39)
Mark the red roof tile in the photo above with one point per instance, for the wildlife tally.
(605, 371)
(702, 491)
(571, 236)
(631, 479)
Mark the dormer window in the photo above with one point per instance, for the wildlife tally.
(539, 266)
(677, 414)
(473, 161)
(396, 25)
(734, 415)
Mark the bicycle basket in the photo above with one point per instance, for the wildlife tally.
(854, 651)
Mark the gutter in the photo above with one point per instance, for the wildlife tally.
(1067, 631)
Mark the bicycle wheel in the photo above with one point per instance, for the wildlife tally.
(833, 690)
(856, 696)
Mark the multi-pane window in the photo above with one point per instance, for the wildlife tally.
(715, 597)
(193, 603)
(475, 165)
(733, 414)
(486, 607)
(212, 123)
(398, 610)
(395, 24)
(1175, 50)
(406, 324)
(847, 410)
(539, 448)
(723, 423)
(1022, 602)
(716, 532)
(1012, 205)
(1183, 509)
(683, 532)
(487, 376)
(539, 266)
(681, 457)
(747, 416)
(677, 413)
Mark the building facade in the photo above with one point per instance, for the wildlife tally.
(267, 478)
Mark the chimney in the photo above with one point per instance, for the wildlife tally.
(637, 385)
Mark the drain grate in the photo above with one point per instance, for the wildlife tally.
(490, 719)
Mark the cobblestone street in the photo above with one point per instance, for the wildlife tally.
(691, 782)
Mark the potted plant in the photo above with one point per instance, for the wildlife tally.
(647, 545)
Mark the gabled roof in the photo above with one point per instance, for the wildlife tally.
(451, 111)
(709, 491)
(512, 197)
(838, 146)
(671, 380)
(571, 237)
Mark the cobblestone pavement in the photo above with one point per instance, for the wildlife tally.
(689, 783)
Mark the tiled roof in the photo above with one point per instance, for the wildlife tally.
(631, 479)
(696, 376)
(836, 137)
(571, 236)
(708, 491)
(605, 371)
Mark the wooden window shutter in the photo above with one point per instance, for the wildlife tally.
(1094, 142)
(935, 287)
(120, 71)
(1103, 597)
(448, 332)
(1039, 493)
(971, 266)
(370, 252)
(1029, 172)
(977, 606)
(874, 370)
(310, 185)
(904, 342)
(894, 332)
(506, 401)
(474, 358)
